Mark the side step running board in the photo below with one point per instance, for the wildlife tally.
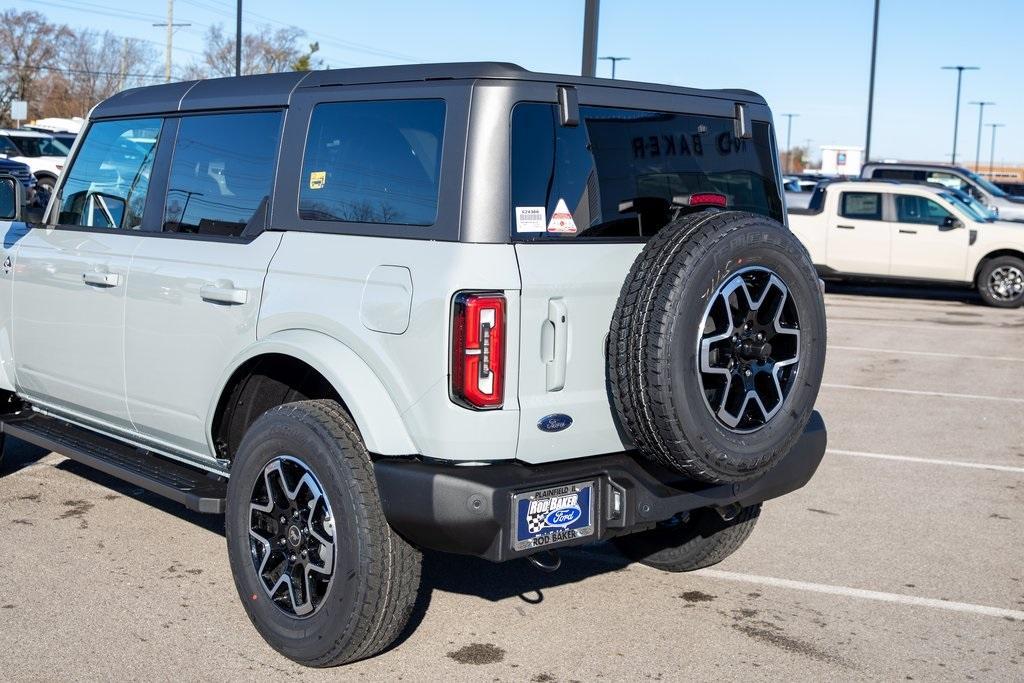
(194, 488)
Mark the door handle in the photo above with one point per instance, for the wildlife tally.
(100, 278)
(223, 293)
(846, 227)
(555, 344)
(907, 232)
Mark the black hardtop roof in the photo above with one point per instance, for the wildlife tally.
(270, 90)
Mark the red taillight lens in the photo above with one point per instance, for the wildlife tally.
(708, 199)
(478, 350)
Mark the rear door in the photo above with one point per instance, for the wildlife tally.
(584, 200)
(195, 284)
(859, 240)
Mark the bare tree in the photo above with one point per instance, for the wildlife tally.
(97, 65)
(265, 51)
(31, 47)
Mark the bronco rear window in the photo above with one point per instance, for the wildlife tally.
(623, 172)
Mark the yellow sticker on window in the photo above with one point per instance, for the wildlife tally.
(317, 179)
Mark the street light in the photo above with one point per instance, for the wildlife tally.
(871, 86)
(992, 150)
(956, 117)
(614, 61)
(789, 135)
(977, 150)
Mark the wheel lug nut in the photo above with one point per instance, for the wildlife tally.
(304, 554)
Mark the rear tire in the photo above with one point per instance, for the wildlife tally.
(719, 309)
(701, 541)
(308, 456)
(1001, 282)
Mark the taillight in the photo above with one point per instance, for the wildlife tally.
(478, 350)
(707, 199)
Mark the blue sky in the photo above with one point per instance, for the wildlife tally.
(807, 57)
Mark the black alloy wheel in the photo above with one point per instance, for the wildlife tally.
(749, 349)
(291, 536)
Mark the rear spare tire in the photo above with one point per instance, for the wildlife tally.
(717, 345)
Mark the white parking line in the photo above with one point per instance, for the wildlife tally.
(974, 328)
(915, 392)
(932, 354)
(928, 461)
(879, 596)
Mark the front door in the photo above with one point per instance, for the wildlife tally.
(926, 243)
(858, 238)
(71, 277)
(195, 287)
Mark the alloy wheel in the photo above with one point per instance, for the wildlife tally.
(1006, 283)
(749, 349)
(291, 536)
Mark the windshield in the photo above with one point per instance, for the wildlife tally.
(31, 146)
(972, 208)
(986, 185)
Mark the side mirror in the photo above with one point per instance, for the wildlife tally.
(12, 198)
(951, 223)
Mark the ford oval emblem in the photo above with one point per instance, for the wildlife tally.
(563, 517)
(554, 423)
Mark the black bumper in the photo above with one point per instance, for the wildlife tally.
(468, 509)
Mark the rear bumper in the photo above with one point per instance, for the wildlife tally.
(468, 509)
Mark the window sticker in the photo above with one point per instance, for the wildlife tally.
(561, 219)
(530, 218)
(317, 179)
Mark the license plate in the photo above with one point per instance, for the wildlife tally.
(552, 515)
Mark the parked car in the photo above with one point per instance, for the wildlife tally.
(1011, 188)
(19, 171)
(43, 154)
(390, 320)
(912, 231)
(1009, 208)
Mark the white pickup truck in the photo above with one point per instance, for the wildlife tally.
(907, 231)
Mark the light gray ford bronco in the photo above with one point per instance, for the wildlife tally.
(460, 307)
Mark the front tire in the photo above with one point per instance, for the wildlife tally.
(700, 541)
(1001, 282)
(333, 583)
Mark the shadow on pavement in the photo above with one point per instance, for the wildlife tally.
(19, 455)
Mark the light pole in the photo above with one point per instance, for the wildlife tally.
(956, 117)
(789, 136)
(977, 150)
(871, 85)
(591, 9)
(238, 40)
(614, 61)
(992, 150)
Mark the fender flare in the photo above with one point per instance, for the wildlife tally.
(991, 249)
(365, 396)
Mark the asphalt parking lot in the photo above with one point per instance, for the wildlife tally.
(902, 559)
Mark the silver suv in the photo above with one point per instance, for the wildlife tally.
(461, 307)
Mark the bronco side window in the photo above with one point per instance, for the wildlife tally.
(373, 162)
(222, 172)
(107, 183)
